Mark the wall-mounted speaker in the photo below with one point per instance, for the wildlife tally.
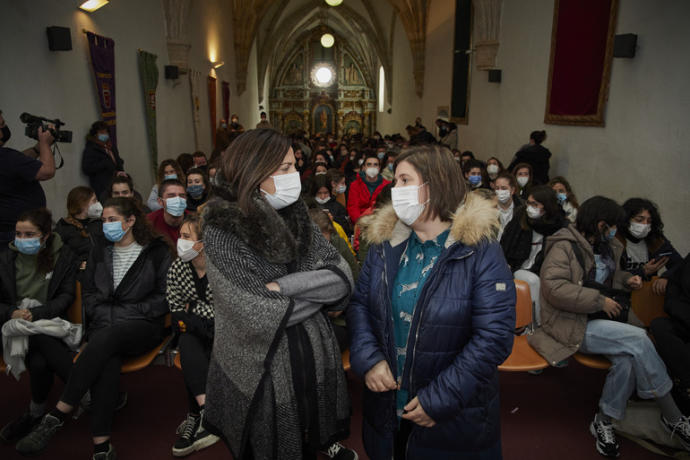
(59, 38)
(172, 72)
(624, 45)
(495, 75)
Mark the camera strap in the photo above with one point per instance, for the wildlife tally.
(56, 153)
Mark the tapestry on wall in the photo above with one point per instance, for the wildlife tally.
(102, 52)
(148, 71)
(212, 107)
(580, 64)
(194, 81)
(226, 101)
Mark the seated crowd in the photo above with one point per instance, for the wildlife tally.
(138, 261)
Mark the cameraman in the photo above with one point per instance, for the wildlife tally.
(20, 176)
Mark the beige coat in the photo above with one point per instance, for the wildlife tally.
(565, 303)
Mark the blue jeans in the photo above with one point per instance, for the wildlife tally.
(635, 364)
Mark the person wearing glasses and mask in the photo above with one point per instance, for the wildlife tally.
(426, 345)
(275, 380)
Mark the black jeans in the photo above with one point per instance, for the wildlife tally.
(673, 344)
(46, 357)
(195, 354)
(98, 367)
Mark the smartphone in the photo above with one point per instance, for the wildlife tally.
(664, 254)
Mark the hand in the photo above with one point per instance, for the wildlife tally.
(612, 308)
(634, 282)
(335, 314)
(273, 286)
(415, 413)
(380, 378)
(82, 266)
(22, 313)
(654, 265)
(45, 137)
(659, 286)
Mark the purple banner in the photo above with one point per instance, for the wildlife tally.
(102, 51)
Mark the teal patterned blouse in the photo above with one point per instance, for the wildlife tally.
(415, 265)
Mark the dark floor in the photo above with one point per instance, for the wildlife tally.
(543, 417)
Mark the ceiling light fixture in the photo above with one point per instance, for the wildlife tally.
(327, 40)
(334, 2)
(324, 75)
(92, 5)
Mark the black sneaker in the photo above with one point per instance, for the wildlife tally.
(19, 428)
(37, 440)
(339, 452)
(110, 455)
(185, 443)
(607, 445)
(679, 429)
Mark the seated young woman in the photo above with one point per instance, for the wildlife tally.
(646, 250)
(523, 238)
(572, 312)
(323, 193)
(82, 227)
(197, 189)
(494, 167)
(38, 266)
(566, 197)
(191, 305)
(506, 188)
(123, 294)
(523, 176)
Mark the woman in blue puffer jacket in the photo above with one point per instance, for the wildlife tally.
(432, 317)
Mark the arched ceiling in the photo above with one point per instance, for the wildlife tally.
(279, 25)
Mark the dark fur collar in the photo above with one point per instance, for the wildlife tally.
(280, 237)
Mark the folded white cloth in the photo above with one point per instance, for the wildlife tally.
(15, 339)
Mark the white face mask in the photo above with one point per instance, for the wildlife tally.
(639, 231)
(534, 212)
(95, 210)
(185, 250)
(406, 203)
(492, 169)
(322, 200)
(372, 172)
(503, 196)
(522, 180)
(288, 189)
(341, 189)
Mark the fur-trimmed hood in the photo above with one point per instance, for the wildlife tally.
(475, 220)
(269, 232)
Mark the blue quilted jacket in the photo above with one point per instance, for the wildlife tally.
(462, 329)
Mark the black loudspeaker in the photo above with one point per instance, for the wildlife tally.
(172, 72)
(624, 45)
(59, 38)
(495, 76)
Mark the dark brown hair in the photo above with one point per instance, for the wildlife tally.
(161, 171)
(321, 181)
(520, 166)
(510, 178)
(127, 207)
(571, 196)
(202, 173)
(43, 220)
(248, 161)
(77, 198)
(194, 221)
(442, 173)
(117, 179)
(186, 161)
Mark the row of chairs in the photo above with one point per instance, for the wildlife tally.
(646, 305)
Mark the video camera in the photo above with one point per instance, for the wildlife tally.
(33, 122)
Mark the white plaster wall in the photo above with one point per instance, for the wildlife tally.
(60, 84)
(643, 149)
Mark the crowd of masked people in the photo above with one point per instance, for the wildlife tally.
(139, 256)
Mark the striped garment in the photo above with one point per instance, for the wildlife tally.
(123, 258)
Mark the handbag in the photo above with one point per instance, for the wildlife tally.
(618, 295)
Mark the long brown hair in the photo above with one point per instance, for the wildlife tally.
(248, 161)
(127, 207)
(571, 196)
(77, 198)
(176, 166)
(42, 219)
(442, 173)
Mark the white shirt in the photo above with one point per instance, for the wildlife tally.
(123, 258)
(537, 241)
(505, 216)
(637, 253)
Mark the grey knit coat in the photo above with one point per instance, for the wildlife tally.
(250, 400)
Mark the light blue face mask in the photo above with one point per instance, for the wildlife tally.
(170, 176)
(612, 233)
(175, 206)
(381, 155)
(562, 198)
(28, 246)
(104, 137)
(475, 180)
(113, 231)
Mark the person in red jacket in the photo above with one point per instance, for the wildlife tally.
(365, 189)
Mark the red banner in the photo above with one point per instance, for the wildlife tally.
(581, 53)
(212, 106)
(102, 51)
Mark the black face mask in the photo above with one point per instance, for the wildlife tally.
(6, 134)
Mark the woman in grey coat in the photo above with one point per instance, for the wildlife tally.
(276, 388)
